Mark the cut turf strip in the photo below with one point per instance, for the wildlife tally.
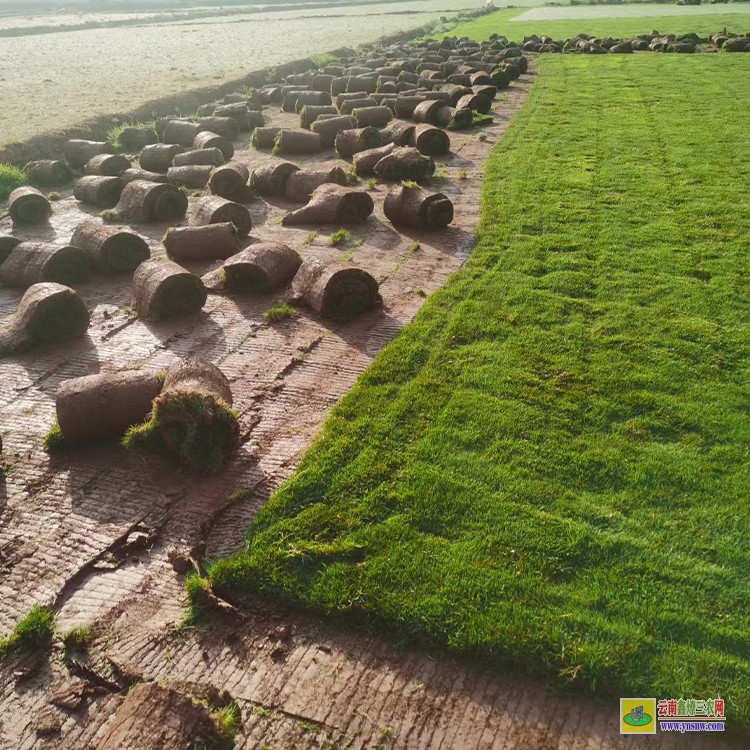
(549, 465)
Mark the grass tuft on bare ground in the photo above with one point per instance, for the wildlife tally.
(10, 178)
(35, 631)
(549, 466)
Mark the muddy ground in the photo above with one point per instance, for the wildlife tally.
(87, 532)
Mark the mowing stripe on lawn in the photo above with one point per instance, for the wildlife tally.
(551, 465)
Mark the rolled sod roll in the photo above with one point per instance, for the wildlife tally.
(303, 182)
(239, 112)
(49, 173)
(350, 142)
(264, 137)
(405, 106)
(351, 96)
(213, 157)
(134, 139)
(488, 92)
(225, 126)
(431, 141)
(213, 209)
(230, 182)
(460, 119)
(162, 289)
(329, 128)
(315, 98)
(349, 105)
(107, 165)
(372, 116)
(405, 163)
(272, 178)
(310, 112)
(365, 161)
(207, 139)
(98, 191)
(193, 176)
(363, 83)
(77, 152)
(433, 112)
(103, 406)
(206, 110)
(6, 245)
(335, 289)
(399, 133)
(31, 263)
(261, 268)
(181, 132)
(202, 243)
(460, 79)
(28, 206)
(158, 157)
(131, 175)
(111, 249)
(47, 313)
(297, 141)
(333, 204)
(418, 208)
(143, 202)
(455, 92)
(191, 419)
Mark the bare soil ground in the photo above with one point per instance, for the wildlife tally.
(88, 531)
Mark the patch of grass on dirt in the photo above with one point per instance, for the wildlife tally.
(549, 466)
(320, 61)
(53, 440)
(10, 178)
(196, 588)
(280, 311)
(35, 631)
(113, 135)
(226, 722)
(76, 640)
(339, 236)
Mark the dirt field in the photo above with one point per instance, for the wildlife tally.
(52, 81)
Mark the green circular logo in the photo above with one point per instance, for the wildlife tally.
(643, 720)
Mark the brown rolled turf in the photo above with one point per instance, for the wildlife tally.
(131, 175)
(405, 163)
(260, 268)
(339, 85)
(372, 116)
(349, 105)
(315, 98)
(347, 97)
(303, 182)
(405, 106)
(366, 83)
(103, 406)
(225, 126)
(399, 133)
(200, 157)
(455, 92)
(158, 157)
(163, 289)
(192, 176)
(208, 139)
(271, 178)
(350, 142)
(365, 161)
(161, 124)
(77, 152)
(98, 191)
(270, 94)
(333, 204)
(111, 249)
(191, 419)
(201, 243)
(322, 82)
(134, 139)
(431, 141)
(433, 112)
(181, 132)
(239, 112)
(460, 119)
(297, 141)
(28, 206)
(230, 182)
(418, 208)
(143, 202)
(6, 245)
(48, 313)
(335, 288)
(107, 165)
(30, 263)
(310, 112)
(489, 92)
(264, 137)
(213, 209)
(329, 128)
(49, 173)
(206, 110)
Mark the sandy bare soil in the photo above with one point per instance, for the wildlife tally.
(88, 531)
(52, 81)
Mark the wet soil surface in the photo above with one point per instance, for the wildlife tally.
(88, 531)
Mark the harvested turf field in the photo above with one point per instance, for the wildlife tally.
(550, 465)
(620, 21)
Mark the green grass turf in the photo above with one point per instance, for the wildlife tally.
(500, 23)
(551, 465)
